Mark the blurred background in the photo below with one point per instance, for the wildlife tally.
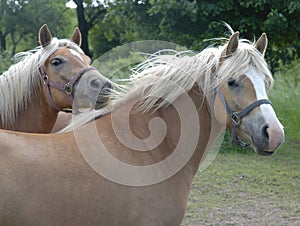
(109, 23)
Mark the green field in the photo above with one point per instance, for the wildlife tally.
(242, 188)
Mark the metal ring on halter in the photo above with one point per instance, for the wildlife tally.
(45, 78)
(68, 89)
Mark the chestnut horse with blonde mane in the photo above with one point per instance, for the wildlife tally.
(135, 164)
(44, 82)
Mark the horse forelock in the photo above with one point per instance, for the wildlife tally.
(23, 80)
(239, 62)
(162, 78)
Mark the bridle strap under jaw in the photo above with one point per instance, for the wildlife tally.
(237, 116)
(68, 87)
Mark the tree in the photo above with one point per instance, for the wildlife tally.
(125, 21)
(21, 20)
(190, 22)
(88, 13)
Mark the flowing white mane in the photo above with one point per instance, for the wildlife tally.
(22, 80)
(162, 78)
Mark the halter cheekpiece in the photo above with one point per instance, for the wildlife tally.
(68, 87)
(237, 116)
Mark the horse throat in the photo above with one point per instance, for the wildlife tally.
(38, 116)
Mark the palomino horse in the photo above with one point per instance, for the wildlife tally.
(94, 176)
(43, 83)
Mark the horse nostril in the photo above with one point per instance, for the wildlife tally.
(108, 85)
(107, 88)
(95, 84)
(264, 131)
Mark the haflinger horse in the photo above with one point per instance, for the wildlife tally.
(44, 82)
(133, 161)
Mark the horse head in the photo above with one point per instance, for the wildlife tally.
(68, 71)
(250, 114)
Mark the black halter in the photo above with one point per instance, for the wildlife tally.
(237, 116)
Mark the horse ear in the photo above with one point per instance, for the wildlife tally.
(261, 44)
(232, 44)
(76, 36)
(44, 36)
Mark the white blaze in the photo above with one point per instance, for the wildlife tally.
(75, 53)
(266, 109)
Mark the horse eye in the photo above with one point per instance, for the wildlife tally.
(56, 61)
(232, 83)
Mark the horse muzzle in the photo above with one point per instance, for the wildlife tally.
(92, 91)
(103, 96)
(265, 135)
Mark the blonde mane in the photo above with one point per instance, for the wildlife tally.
(162, 78)
(23, 80)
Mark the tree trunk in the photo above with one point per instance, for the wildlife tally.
(83, 27)
(15, 43)
(2, 42)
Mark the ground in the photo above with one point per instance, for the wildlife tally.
(247, 189)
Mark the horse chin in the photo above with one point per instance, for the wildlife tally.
(100, 104)
(262, 152)
(257, 145)
(101, 101)
(261, 148)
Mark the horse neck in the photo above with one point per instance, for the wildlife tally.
(38, 116)
(146, 131)
(207, 129)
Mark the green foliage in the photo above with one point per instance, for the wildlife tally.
(285, 96)
(227, 146)
(20, 22)
(191, 23)
(5, 61)
(118, 63)
(124, 22)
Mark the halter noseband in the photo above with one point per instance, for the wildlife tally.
(68, 87)
(237, 116)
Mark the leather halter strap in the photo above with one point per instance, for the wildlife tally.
(68, 87)
(237, 116)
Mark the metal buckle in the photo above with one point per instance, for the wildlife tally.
(68, 89)
(45, 77)
(235, 118)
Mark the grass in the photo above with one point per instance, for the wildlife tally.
(243, 188)
(285, 96)
(249, 186)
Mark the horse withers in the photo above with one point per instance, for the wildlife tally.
(45, 81)
(135, 164)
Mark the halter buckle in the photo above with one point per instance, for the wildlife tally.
(45, 78)
(68, 89)
(235, 118)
